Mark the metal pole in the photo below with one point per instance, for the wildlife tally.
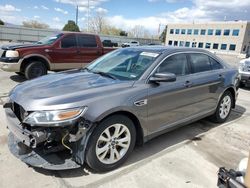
(88, 17)
(76, 14)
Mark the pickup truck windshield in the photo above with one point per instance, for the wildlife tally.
(124, 64)
(49, 40)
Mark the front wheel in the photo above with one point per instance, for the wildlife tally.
(35, 69)
(111, 143)
(223, 109)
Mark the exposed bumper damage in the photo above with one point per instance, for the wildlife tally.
(54, 148)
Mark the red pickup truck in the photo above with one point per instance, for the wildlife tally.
(61, 51)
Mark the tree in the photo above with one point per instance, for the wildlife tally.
(71, 26)
(123, 33)
(97, 23)
(35, 24)
(163, 35)
(1, 22)
(139, 31)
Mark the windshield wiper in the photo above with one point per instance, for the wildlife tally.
(105, 74)
(85, 68)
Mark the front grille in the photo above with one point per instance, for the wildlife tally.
(18, 111)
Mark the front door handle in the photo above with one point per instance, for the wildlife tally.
(188, 83)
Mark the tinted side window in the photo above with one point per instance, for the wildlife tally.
(176, 64)
(87, 41)
(215, 64)
(68, 41)
(200, 62)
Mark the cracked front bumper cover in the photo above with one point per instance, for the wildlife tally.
(36, 158)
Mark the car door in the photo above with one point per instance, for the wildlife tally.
(170, 102)
(207, 76)
(66, 56)
(88, 48)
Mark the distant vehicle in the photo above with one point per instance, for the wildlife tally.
(130, 44)
(109, 43)
(96, 115)
(61, 51)
(153, 44)
(244, 70)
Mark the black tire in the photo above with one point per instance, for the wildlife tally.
(20, 73)
(216, 117)
(35, 69)
(91, 155)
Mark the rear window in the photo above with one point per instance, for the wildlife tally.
(68, 41)
(215, 64)
(87, 41)
(200, 62)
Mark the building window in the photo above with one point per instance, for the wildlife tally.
(181, 43)
(170, 42)
(218, 32)
(177, 31)
(175, 43)
(232, 47)
(226, 32)
(196, 31)
(210, 32)
(171, 31)
(189, 31)
(187, 44)
(183, 31)
(215, 46)
(236, 32)
(208, 45)
(203, 31)
(200, 45)
(223, 47)
(194, 44)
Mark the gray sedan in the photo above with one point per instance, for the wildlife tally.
(97, 114)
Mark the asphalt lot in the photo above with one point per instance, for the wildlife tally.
(187, 157)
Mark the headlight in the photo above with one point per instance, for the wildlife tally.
(12, 53)
(55, 117)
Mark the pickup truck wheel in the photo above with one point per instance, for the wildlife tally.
(223, 109)
(35, 69)
(20, 73)
(111, 143)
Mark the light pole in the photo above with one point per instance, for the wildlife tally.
(88, 18)
(76, 14)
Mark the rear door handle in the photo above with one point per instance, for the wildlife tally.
(188, 83)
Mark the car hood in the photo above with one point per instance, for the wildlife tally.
(18, 46)
(63, 90)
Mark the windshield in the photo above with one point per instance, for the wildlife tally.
(124, 64)
(49, 40)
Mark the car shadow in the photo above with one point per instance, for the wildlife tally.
(17, 78)
(155, 147)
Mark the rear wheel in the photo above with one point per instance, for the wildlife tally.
(111, 143)
(223, 109)
(35, 69)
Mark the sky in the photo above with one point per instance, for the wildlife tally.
(125, 14)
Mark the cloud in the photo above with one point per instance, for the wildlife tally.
(44, 7)
(61, 10)
(35, 7)
(56, 19)
(9, 8)
(36, 17)
(82, 3)
(199, 11)
(101, 10)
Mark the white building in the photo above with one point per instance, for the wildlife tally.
(232, 37)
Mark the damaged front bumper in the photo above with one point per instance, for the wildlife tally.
(50, 148)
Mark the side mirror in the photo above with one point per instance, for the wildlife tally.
(163, 77)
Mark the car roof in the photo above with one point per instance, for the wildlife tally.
(164, 49)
